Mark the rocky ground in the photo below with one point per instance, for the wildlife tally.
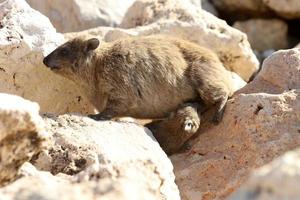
(50, 150)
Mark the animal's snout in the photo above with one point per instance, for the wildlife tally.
(50, 63)
(46, 61)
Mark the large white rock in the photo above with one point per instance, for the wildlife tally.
(76, 15)
(44, 186)
(183, 19)
(108, 150)
(25, 37)
(21, 134)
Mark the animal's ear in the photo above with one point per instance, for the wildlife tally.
(92, 44)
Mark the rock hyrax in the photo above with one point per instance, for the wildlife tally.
(181, 125)
(143, 77)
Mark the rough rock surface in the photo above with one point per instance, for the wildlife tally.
(256, 128)
(24, 41)
(21, 134)
(265, 34)
(42, 185)
(124, 149)
(275, 181)
(76, 15)
(187, 22)
(286, 9)
(280, 72)
(144, 12)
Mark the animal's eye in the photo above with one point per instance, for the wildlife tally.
(188, 125)
(63, 52)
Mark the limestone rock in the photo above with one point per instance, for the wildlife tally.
(187, 22)
(76, 15)
(144, 12)
(21, 134)
(257, 127)
(280, 72)
(44, 186)
(26, 37)
(286, 9)
(108, 149)
(275, 181)
(265, 34)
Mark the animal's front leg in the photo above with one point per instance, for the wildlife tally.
(101, 106)
(114, 108)
(99, 117)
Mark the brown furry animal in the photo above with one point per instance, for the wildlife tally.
(143, 77)
(181, 125)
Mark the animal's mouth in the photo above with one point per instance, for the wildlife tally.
(55, 68)
(52, 65)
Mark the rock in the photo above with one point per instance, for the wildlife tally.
(260, 123)
(21, 134)
(265, 34)
(278, 180)
(77, 15)
(44, 186)
(244, 8)
(286, 9)
(24, 41)
(258, 8)
(222, 157)
(144, 12)
(280, 72)
(124, 149)
(193, 24)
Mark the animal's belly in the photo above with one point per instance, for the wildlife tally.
(159, 105)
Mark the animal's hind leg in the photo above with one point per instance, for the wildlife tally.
(219, 109)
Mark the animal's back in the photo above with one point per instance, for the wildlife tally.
(151, 73)
(155, 74)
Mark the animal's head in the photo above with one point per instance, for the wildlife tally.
(71, 57)
(189, 118)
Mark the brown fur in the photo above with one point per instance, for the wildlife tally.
(181, 125)
(143, 77)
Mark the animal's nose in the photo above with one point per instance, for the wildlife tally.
(46, 61)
